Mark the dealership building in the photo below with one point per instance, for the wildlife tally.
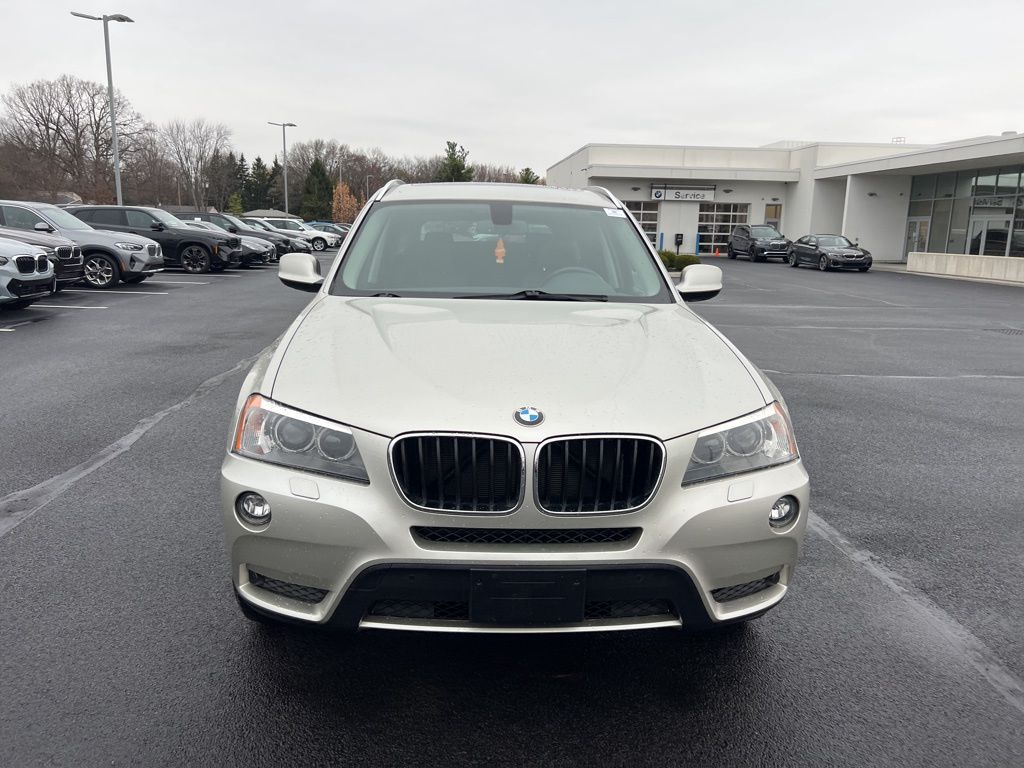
(955, 208)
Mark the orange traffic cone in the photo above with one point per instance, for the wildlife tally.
(717, 254)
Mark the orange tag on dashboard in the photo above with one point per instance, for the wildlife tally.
(499, 252)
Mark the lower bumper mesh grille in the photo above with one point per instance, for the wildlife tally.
(287, 589)
(452, 610)
(735, 592)
(531, 536)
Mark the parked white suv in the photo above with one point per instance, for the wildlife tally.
(26, 274)
(319, 240)
(529, 432)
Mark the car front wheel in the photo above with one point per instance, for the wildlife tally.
(195, 259)
(319, 243)
(823, 263)
(792, 260)
(101, 271)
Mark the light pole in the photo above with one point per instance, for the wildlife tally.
(284, 157)
(366, 184)
(110, 90)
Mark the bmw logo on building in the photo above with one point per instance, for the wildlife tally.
(528, 416)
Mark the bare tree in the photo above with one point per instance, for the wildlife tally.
(192, 146)
(61, 128)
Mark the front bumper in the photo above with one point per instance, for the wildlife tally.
(345, 547)
(850, 263)
(141, 263)
(67, 274)
(26, 288)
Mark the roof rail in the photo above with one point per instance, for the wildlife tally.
(606, 193)
(387, 188)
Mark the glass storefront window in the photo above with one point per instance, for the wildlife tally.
(964, 184)
(944, 185)
(957, 240)
(986, 183)
(1007, 184)
(937, 239)
(922, 188)
(1017, 239)
(920, 208)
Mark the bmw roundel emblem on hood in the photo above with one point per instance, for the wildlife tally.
(528, 416)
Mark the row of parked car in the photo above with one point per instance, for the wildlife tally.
(44, 248)
(760, 242)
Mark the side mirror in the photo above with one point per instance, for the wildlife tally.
(700, 282)
(42, 226)
(300, 271)
(232, 228)
(156, 226)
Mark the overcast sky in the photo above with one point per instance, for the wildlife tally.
(526, 82)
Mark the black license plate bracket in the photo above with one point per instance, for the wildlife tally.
(523, 597)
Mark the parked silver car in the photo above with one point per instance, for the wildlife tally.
(109, 256)
(318, 239)
(524, 433)
(26, 274)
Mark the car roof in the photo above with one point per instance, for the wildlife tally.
(485, 191)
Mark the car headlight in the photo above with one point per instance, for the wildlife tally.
(133, 247)
(4, 261)
(271, 432)
(755, 441)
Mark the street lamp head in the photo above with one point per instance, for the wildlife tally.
(120, 17)
(86, 16)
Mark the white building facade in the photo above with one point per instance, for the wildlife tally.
(962, 201)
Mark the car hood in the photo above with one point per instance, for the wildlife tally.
(392, 366)
(189, 232)
(843, 251)
(41, 239)
(86, 237)
(10, 248)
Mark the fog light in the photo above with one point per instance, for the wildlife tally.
(782, 513)
(254, 509)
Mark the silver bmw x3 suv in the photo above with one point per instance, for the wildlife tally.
(498, 414)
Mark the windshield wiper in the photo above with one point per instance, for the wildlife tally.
(385, 295)
(535, 295)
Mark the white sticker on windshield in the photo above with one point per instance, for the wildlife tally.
(615, 212)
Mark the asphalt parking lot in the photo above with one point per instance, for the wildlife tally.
(901, 642)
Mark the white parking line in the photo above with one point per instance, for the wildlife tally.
(62, 306)
(175, 282)
(119, 292)
(929, 615)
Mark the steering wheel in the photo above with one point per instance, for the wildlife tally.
(573, 270)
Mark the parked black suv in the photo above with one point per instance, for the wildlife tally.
(236, 226)
(194, 250)
(64, 254)
(758, 242)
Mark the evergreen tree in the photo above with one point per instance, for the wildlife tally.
(235, 204)
(527, 176)
(453, 165)
(256, 192)
(317, 193)
(275, 195)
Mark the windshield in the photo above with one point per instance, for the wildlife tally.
(258, 224)
(833, 241)
(306, 226)
(165, 218)
(61, 218)
(467, 249)
(765, 232)
(237, 222)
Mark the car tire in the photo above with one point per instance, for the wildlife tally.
(730, 252)
(101, 271)
(823, 263)
(793, 262)
(756, 257)
(319, 244)
(195, 259)
(134, 279)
